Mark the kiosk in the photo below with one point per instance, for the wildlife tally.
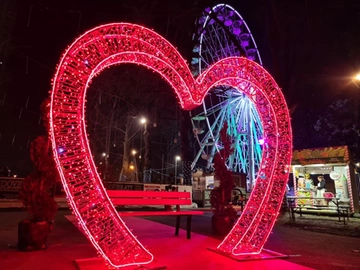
(338, 168)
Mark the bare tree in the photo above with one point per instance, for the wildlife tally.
(117, 100)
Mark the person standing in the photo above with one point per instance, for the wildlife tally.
(320, 189)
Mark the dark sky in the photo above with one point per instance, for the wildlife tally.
(310, 47)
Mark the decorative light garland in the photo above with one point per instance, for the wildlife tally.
(118, 43)
(348, 181)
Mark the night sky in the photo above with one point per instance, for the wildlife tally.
(312, 49)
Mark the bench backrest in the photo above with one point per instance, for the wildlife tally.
(139, 197)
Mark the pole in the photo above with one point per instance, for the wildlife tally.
(162, 169)
(176, 163)
(146, 160)
(356, 81)
(175, 169)
(141, 163)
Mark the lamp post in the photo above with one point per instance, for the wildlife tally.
(356, 81)
(146, 158)
(135, 168)
(177, 158)
(104, 170)
(143, 122)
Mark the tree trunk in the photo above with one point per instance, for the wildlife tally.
(32, 235)
(125, 171)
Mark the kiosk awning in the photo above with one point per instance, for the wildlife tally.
(333, 154)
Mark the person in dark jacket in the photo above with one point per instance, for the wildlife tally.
(320, 189)
(321, 183)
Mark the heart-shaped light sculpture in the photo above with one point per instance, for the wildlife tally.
(118, 43)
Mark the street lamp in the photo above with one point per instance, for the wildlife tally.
(105, 156)
(133, 165)
(356, 80)
(143, 122)
(145, 161)
(177, 158)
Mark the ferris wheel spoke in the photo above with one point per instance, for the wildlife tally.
(220, 124)
(226, 103)
(216, 109)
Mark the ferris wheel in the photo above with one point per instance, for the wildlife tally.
(222, 32)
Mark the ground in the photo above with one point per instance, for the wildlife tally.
(312, 241)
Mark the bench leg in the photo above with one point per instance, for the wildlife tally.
(188, 227)
(177, 225)
(341, 213)
(292, 213)
(345, 213)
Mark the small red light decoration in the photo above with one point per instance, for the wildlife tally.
(118, 43)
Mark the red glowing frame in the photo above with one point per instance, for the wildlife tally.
(118, 43)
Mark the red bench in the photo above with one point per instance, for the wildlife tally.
(151, 198)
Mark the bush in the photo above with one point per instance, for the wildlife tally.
(220, 197)
(36, 191)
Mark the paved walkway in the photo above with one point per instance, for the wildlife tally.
(323, 224)
(68, 244)
(16, 204)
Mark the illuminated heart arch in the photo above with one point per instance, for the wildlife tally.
(118, 43)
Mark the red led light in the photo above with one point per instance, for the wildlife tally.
(118, 43)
